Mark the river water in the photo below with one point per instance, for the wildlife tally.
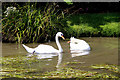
(103, 51)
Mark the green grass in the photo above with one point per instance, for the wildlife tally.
(97, 24)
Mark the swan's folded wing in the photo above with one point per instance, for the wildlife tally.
(79, 46)
(45, 49)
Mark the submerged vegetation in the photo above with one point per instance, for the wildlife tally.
(17, 67)
(32, 23)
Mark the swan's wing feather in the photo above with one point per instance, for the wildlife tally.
(45, 49)
(81, 45)
(29, 50)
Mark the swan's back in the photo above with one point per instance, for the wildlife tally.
(45, 49)
(77, 44)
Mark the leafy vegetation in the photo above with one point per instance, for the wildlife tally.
(29, 23)
(102, 24)
(69, 2)
(110, 29)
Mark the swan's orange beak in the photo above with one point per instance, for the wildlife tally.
(68, 42)
(63, 37)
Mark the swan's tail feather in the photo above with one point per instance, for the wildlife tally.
(29, 50)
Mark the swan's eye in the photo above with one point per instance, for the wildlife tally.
(61, 34)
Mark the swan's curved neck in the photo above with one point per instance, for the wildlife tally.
(58, 44)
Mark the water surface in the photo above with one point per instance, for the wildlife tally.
(103, 51)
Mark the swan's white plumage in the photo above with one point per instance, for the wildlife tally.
(77, 44)
(46, 48)
(29, 50)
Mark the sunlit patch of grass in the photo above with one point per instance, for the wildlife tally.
(110, 29)
(105, 24)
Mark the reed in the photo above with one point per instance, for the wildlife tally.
(30, 24)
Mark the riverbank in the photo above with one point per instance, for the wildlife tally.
(78, 25)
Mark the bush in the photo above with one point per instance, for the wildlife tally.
(110, 29)
(102, 24)
(81, 30)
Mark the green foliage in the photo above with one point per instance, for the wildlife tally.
(28, 23)
(105, 24)
(110, 29)
(31, 24)
(82, 30)
(69, 2)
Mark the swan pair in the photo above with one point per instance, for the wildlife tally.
(75, 44)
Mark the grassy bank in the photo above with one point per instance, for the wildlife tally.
(100, 24)
(28, 23)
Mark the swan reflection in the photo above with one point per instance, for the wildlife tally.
(42, 56)
(48, 56)
(60, 55)
(75, 53)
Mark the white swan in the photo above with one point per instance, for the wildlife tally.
(78, 45)
(46, 48)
